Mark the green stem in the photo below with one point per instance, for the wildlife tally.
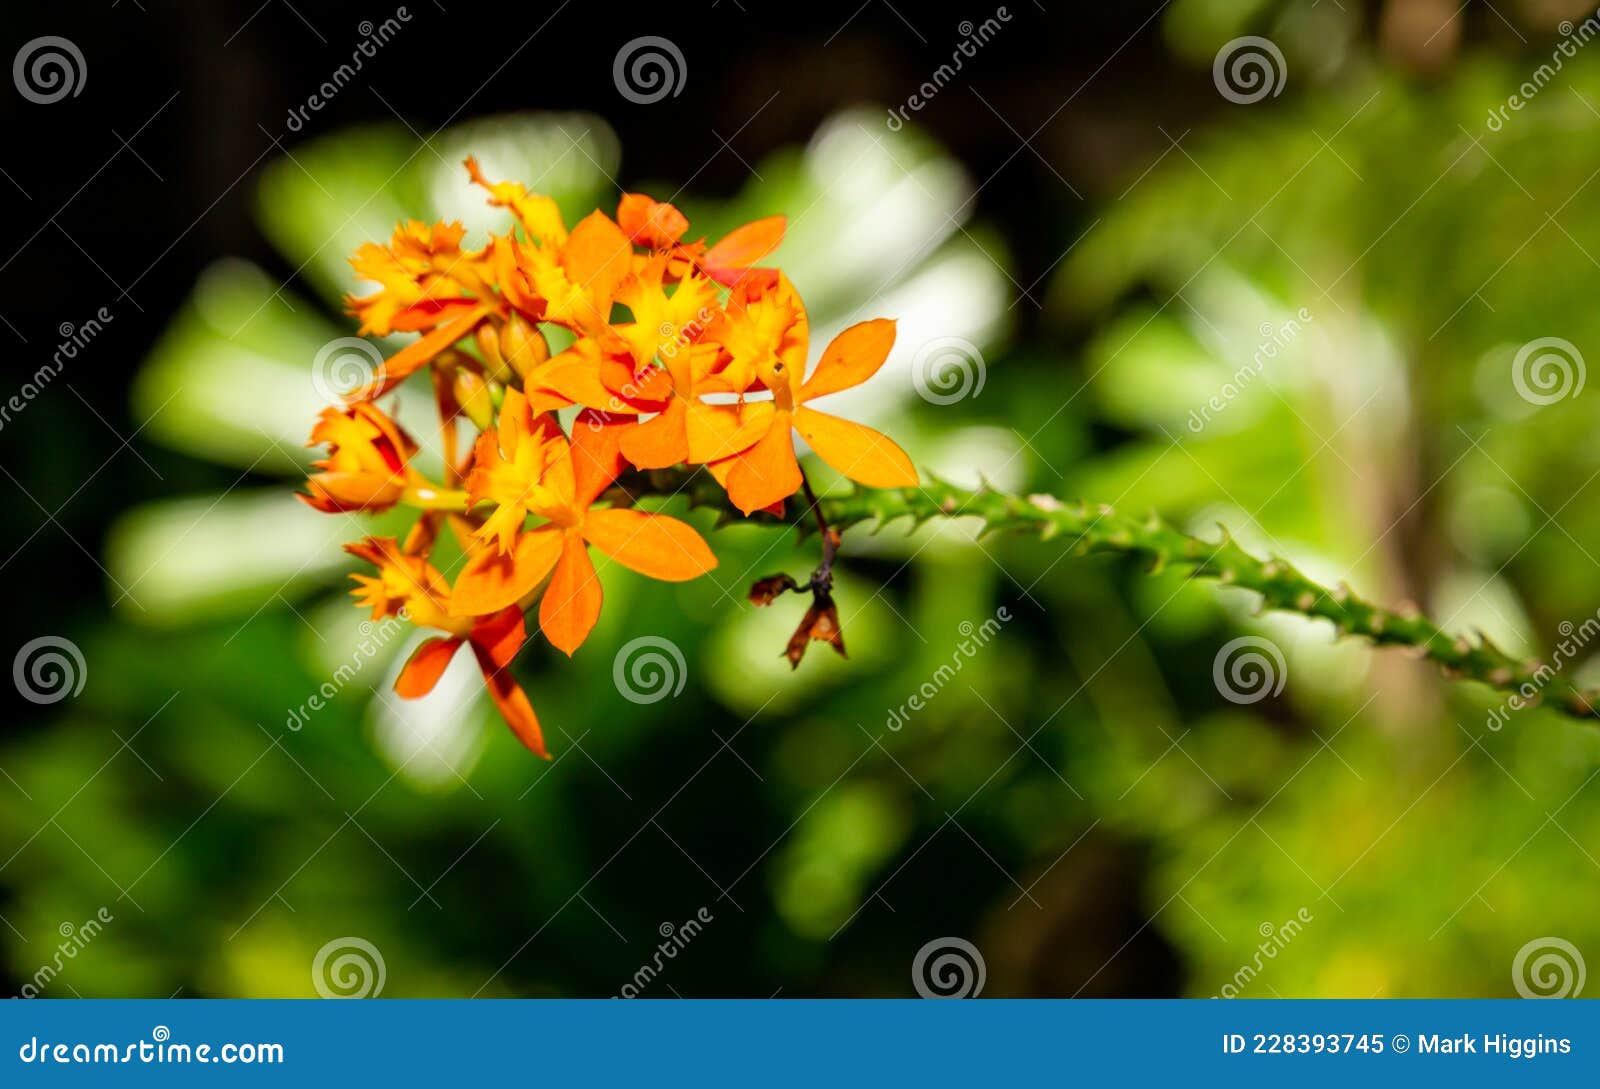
(1104, 529)
(431, 497)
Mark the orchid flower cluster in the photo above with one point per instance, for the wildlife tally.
(676, 353)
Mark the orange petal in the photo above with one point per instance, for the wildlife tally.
(513, 282)
(354, 491)
(596, 454)
(512, 703)
(516, 419)
(500, 635)
(719, 471)
(492, 580)
(720, 431)
(650, 222)
(860, 453)
(571, 604)
(597, 258)
(580, 383)
(854, 356)
(400, 366)
(542, 400)
(659, 442)
(651, 544)
(742, 248)
(651, 384)
(425, 667)
(430, 312)
(766, 473)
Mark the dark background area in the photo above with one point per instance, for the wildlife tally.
(199, 92)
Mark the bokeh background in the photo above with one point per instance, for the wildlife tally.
(1084, 240)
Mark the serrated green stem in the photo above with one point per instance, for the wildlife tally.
(1103, 529)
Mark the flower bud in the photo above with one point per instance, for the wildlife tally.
(522, 346)
(489, 344)
(472, 394)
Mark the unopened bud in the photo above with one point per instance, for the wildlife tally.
(472, 394)
(522, 346)
(489, 345)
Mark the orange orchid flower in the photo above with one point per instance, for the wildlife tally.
(661, 227)
(708, 369)
(423, 276)
(663, 323)
(410, 586)
(368, 462)
(757, 326)
(523, 471)
(574, 284)
(681, 427)
(428, 283)
(659, 371)
(650, 222)
(537, 214)
(768, 472)
(419, 353)
(733, 260)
